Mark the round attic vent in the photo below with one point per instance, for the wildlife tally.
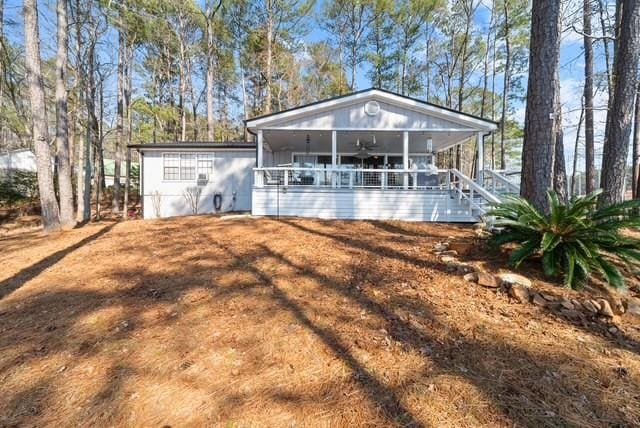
(372, 108)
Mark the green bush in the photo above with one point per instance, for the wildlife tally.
(573, 240)
(17, 185)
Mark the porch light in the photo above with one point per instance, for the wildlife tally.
(308, 147)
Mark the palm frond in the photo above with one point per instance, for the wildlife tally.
(574, 239)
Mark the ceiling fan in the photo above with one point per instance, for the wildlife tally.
(364, 148)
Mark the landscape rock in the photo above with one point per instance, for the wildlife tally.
(589, 306)
(511, 278)
(465, 268)
(548, 297)
(441, 246)
(633, 306)
(576, 304)
(449, 253)
(571, 314)
(567, 304)
(616, 305)
(605, 308)
(538, 300)
(471, 277)
(519, 292)
(488, 280)
(448, 259)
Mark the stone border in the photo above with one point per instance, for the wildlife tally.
(520, 289)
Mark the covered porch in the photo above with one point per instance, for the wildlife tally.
(367, 155)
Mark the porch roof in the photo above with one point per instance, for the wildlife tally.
(372, 109)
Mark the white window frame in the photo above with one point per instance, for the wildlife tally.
(199, 158)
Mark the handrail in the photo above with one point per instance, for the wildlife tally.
(488, 196)
(511, 187)
(292, 168)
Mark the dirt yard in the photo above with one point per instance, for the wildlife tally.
(202, 321)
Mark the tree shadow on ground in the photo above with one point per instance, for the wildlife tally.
(506, 374)
(13, 283)
(511, 388)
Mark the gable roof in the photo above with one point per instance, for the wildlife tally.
(372, 93)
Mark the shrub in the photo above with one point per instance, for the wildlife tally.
(573, 240)
(18, 185)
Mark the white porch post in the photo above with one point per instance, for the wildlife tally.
(334, 158)
(405, 158)
(259, 162)
(480, 165)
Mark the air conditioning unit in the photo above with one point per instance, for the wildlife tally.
(203, 179)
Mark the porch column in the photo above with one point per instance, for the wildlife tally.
(480, 165)
(334, 158)
(405, 158)
(259, 163)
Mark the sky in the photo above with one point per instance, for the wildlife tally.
(571, 61)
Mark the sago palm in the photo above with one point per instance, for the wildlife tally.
(575, 239)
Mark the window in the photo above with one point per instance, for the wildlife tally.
(171, 166)
(186, 166)
(205, 164)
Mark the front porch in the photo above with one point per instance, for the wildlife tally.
(368, 155)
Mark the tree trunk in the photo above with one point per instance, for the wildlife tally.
(574, 174)
(605, 42)
(540, 118)
(267, 101)
(636, 147)
(127, 184)
(92, 127)
(559, 167)
(62, 121)
(183, 92)
(588, 100)
(506, 84)
(83, 177)
(619, 120)
(120, 138)
(210, 13)
(209, 89)
(39, 125)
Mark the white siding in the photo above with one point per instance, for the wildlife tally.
(353, 116)
(23, 160)
(232, 172)
(371, 204)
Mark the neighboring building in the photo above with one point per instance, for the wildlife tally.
(365, 155)
(110, 168)
(21, 159)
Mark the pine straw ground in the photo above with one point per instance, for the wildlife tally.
(202, 321)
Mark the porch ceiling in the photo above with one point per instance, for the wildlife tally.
(386, 141)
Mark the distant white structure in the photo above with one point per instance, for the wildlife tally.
(21, 159)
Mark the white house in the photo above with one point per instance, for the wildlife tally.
(365, 155)
(20, 159)
(189, 178)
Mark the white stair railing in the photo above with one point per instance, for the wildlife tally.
(477, 197)
(498, 183)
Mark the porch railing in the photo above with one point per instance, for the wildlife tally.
(498, 183)
(351, 178)
(477, 197)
